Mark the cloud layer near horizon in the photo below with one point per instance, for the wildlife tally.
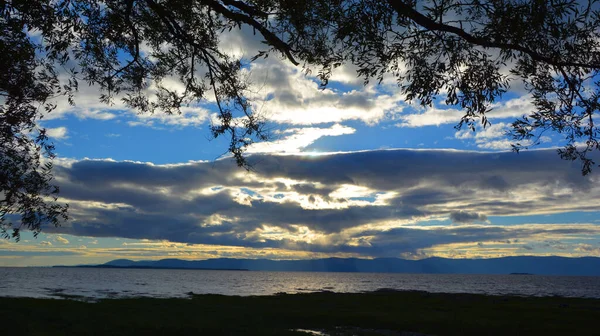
(373, 203)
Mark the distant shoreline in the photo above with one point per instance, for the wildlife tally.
(588, 266)
(153, 267)
(239, 269)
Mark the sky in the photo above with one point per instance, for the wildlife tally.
(351, 170)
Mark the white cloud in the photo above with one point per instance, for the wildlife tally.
(61, 240)
(294, 140)
(503, 144)
(436, 116)
(286, 95)
(347, 74)
(189, 116)
(58, 133)
(493, 131)
(87, 105)
(494, 137)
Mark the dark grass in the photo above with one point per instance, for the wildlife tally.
(367, 313)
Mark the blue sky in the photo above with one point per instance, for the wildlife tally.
(351, 171)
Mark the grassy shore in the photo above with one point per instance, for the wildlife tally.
(377, 313)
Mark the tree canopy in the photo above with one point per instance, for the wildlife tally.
(465, 52)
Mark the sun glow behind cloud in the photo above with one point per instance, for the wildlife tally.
(401, 204)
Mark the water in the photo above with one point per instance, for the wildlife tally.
(90, 283)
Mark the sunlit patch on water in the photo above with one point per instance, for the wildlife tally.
(347, 331)
(311, 332)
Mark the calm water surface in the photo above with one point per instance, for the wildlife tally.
(89, 283)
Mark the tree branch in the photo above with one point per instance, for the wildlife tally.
(406, 10)
(271, 38)
(136, 40)
(250, 10)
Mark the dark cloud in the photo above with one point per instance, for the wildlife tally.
(401, 240)
(357, 99)
(467, 217)
(311, 188)
(217, 203)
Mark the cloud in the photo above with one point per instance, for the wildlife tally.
(360, 202)
(189, 117)
(494, 131)
(58, 133)
(401, 240)
(87, 105)
(13, 254)
(588, 249)
(495, 137)
(285, 95)
(294, 140)
(36, 253)
(45, 243)
(441, 114)
(467, 217)
(61, 240)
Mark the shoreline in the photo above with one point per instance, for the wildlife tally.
(382, 312)
(59, 294)
(153, 268)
